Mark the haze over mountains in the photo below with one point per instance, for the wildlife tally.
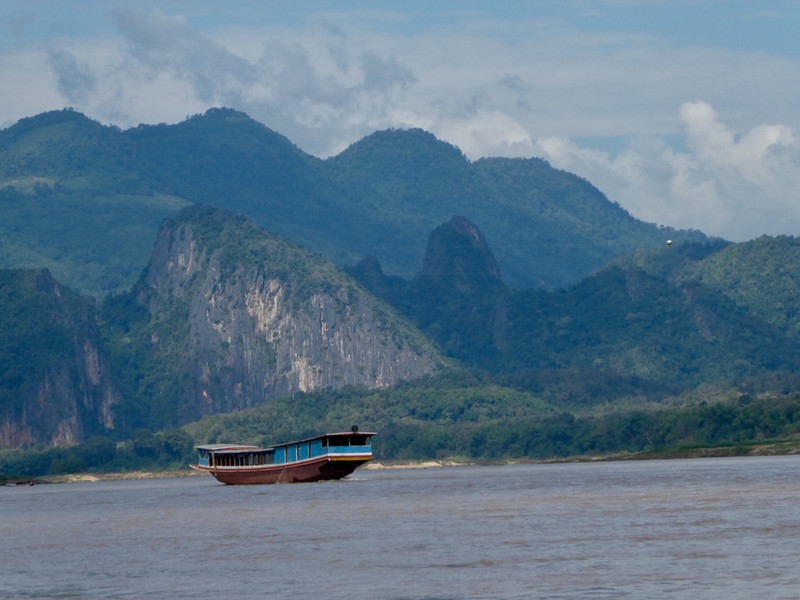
(397, 283)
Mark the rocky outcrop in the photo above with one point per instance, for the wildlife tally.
(224, 317)
(459, 258)
(461, 286)
(259, 317)
(54, 381)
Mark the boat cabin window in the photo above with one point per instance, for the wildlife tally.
(246, 460)
(346, 440)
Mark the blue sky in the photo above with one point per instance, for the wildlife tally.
(685, 113)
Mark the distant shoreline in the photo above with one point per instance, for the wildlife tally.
(422, 464)
(782, 448)
(117, 476)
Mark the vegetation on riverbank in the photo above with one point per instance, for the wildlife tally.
(746, 426)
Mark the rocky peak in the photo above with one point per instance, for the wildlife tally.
(459, 258)
(243, 315)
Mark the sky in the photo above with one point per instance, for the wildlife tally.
(684, 112)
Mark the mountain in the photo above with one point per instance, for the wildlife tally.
(650, 326)
(459, 259)
(55, 382)
(227, 315)
(760, 276)
(72, 201)
(547, 228)
(86, 200)
(459, 297)
(640, 356)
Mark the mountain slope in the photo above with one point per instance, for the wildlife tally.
(55, 383)
(228, 316)
(71, 201)
(85, 200)
(761, 276)
(627, 331)
(548, 228)
(629, 324)
(560, 227)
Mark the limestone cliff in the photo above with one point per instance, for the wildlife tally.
(244, 316)
(461, 286)
(459, 259)
(55, 386)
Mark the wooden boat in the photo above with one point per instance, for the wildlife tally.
(327, 456)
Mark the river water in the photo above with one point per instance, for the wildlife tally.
(695, 529)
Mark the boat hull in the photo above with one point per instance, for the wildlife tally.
(318, 469)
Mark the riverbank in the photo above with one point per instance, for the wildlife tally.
(121, 476)
(776, 448)
(768, 448)
(422, 464)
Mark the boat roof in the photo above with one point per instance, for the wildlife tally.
(316, 437)
(221, 447)
(242, 447)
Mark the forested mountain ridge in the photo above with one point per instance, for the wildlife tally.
(644, 328)
(85, 200)
(71, 201)
(761, 276)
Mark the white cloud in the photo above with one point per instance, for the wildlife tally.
(25, 91)
(733, 188)
(491, 86)
(76, 80)
(486, 132)
(166, 44)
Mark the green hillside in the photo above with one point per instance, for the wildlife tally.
(71, 202)
(36, 333)
(85, 200)
(647, 327)
(760, 276)
(51, 364)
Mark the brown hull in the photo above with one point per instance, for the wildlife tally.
(313, 470)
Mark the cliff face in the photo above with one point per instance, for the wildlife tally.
(253, 317)
(460, 286)
(55, 386)
(458, 258)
